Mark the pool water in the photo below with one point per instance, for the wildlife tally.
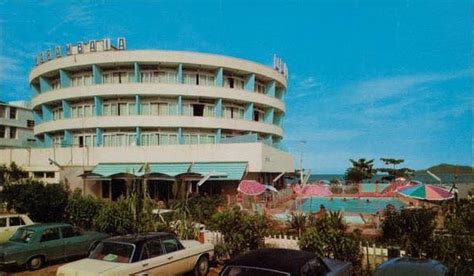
(353, 205)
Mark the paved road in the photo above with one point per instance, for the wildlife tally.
(51, 271)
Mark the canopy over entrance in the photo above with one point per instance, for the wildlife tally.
(216, 170)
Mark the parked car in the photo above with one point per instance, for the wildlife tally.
(158, 253)
(36, 244)
(9, 223)
(276, 262)
(411, 266)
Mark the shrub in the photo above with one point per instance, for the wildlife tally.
(336, 188)
(43, 202)
(83, 209)
(455, 247)
(411, 228)
(115, 218)
(351, 189)
(328, 238)
(241, 231)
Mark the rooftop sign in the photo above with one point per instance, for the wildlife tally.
(280, 66)
(80, 47)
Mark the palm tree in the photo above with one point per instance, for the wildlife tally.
(361, 169)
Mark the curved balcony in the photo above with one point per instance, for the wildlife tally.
(119, 58)
(156, 122)
(157, 89)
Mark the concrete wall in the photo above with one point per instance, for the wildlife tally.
(260, 157)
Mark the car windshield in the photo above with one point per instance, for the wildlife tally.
(116, 252)
(22, 235)
(251, 271)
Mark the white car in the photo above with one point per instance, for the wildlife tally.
(9, 223)
(143, 254)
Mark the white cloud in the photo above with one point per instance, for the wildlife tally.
(378, 89)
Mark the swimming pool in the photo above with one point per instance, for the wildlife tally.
(351, 204)
(284, 217)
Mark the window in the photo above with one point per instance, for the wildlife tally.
(84, 140)
(155, 248)
(49, 174)
(258, 115)
(2, 111)
(58, 114)
(145, 109)
(81, 79)
(30, 123)
(105, 189)
(2, 131)
(233, 82)
(68, 232)
(171, 245)
(57, 141)
(16, 221)
(82, 110)
(55, 85)
(12, 132)
(50, 234)
(3, 222)
(198, 110)
(38, 174)
(12, 112)
(259, 88)
(232, 112)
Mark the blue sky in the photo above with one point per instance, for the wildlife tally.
(367, 79)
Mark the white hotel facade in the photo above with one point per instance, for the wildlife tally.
(103, 113)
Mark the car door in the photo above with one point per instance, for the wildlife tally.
(75, 244)
(15, 223)
(153, 260)
(51, 244)
(177, 260)
(4, 231)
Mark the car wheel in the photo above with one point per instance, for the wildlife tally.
(202, 266)
(35, 263)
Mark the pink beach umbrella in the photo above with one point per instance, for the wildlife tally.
(251, 187)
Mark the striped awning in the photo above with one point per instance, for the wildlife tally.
(216, 170)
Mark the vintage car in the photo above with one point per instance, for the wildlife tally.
(9, 223)
(411, 266)
(36, 244)
(157, 253)
(281, 262)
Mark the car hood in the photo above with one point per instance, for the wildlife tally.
(88, 267)
(11, 246)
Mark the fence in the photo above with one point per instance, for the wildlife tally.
(279, 241)
(372, 255)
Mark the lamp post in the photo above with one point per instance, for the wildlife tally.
(302, 142)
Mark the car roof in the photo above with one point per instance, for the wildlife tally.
(11, 215)
(42, 226)
(285, 260)
(140, 237)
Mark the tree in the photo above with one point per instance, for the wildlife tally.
(83, 209)
(327, 237)
(412, 229)
(392, 171)
(43, 202)
(361, 169)
(12, 174)
(241, 231)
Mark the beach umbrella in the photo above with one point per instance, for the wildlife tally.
(426, 192)
(251, 188)
(316, 190)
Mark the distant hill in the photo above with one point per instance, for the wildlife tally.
(449, 168)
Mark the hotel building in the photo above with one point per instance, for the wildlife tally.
(104, 114)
